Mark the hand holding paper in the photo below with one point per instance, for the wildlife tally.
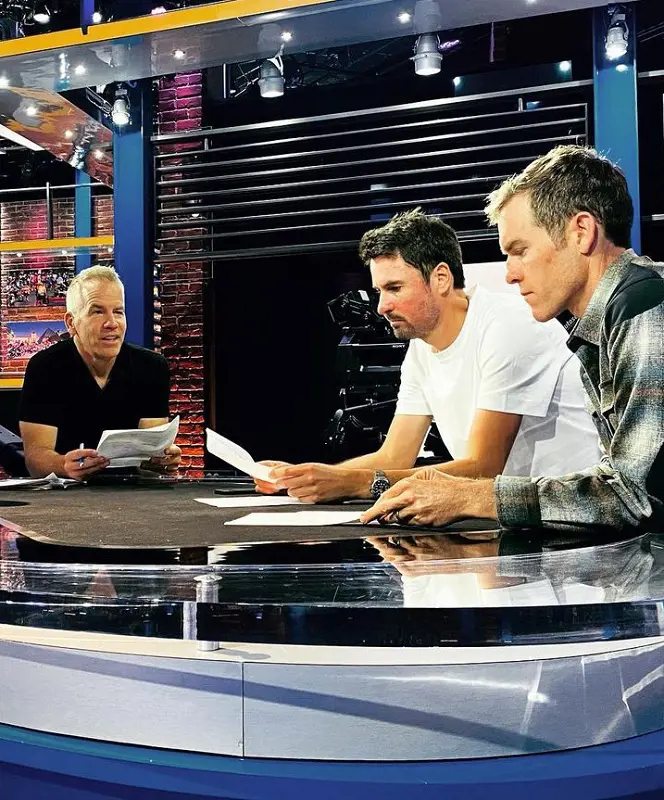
(235, 455)
(129, 448)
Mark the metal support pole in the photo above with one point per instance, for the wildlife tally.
(616, 121)
(134, 214)
(207, 591)
(82, 216)
(87, 10)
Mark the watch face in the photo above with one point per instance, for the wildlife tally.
(379, 486)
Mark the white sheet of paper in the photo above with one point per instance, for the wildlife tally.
(128, 448)
(49, 482)
(23, 483)
(235, 455)
(250, 501)
(311, 519)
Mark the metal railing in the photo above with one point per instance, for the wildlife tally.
(317, 183)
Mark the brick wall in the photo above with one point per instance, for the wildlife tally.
(181, 283)
(102, 215)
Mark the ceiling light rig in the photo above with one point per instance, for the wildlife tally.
(427, 57)
(120, 111)
(271, 81)
(41, 14)
(617, 35)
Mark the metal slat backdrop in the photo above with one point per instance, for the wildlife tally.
(314, 183)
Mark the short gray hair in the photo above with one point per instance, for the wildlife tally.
(75, 294)
(567, 180)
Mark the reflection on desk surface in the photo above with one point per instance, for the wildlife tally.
(463, 568)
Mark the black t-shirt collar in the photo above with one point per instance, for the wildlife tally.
(120, 368)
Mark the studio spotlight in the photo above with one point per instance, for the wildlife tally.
(617, 36)
(427, 57)
(41, 13)
(271, 81)
(120, 110)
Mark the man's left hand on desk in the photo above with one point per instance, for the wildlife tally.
(169, 462)
(433, 498)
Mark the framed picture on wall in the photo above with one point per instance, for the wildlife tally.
(21, 340)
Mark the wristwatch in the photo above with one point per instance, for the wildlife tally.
(379, 484)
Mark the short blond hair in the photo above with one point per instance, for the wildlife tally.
(566, 180)
(75, 293)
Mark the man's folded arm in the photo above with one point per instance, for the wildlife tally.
(490, 442)
(315, 483)
(628, 485)
(396, 456)
(401, 446)
(39, 446)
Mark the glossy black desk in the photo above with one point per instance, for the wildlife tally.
(136, 617)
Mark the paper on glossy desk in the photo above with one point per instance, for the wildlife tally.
(310, 519)
(250, 501)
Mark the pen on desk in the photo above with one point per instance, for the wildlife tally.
(82, 459)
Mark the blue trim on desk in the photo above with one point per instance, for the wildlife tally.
(55, 767)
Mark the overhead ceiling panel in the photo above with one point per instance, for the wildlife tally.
(60, 127)
(237, 30)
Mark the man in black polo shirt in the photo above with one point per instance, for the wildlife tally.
(89, 383)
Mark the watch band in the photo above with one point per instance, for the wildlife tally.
(380, 484)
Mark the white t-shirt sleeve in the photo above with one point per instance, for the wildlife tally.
(411, 399)
(520, 361)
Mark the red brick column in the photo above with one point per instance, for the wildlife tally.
(179, 309)
(102, 215)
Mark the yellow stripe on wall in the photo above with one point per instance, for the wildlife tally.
(72, 243)
(140, 26)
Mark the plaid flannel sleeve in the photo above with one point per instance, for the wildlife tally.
(627, 486)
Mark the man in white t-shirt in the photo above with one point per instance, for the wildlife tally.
(503, 389)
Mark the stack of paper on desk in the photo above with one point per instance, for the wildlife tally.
(128, 448)
(235, 455)
(310, 519)
(252, 501)
(51, 481)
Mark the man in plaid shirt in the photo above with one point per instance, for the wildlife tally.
(564, 224)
